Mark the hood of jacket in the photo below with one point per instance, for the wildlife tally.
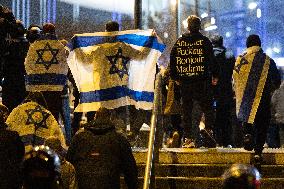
(191, 34)
(218, 50)
(100, 126)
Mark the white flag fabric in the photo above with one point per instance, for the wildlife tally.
(46, 66)
(114, 69)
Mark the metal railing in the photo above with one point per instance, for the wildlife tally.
(149, 178)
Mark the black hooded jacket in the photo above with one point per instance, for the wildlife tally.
(99, 155)
(226, 61)
(12, 152)
(192, 59)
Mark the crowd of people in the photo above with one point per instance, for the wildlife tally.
(35, 152)
(202, 72)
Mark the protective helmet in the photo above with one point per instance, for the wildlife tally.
(41, 169)
(241, 176)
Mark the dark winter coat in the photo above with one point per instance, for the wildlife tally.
(11, 155)
(192, 59)
(14, 73)
(99, 155)
(226, 61)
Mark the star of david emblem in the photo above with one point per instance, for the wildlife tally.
(47, 56)
(242, 62)
(118, 63)
(37, 116)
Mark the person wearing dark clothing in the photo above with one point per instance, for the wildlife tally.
(42, 169)
(192, 65)
(11, 154)
(14, 91)
(255, 78)
(224, 92)
(33, 33)
(99, 155)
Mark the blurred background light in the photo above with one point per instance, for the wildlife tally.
(204, 15)
(252, 5)
(258, 13)
(107, 5)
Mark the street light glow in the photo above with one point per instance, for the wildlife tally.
(269, 51)
(173, 2)
(277, 50)
(248, 29)
(184, 23)
(228, 34)
(204, 15)
(210, 28)
(258, 13)
(107, 5)
(252, 5)
(213, 21)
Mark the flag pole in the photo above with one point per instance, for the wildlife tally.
(138, 14)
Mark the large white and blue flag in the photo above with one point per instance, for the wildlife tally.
(114, 69)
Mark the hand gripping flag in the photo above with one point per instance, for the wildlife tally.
(34, 124)
(250, 74)
(46, 66)
(114, 69)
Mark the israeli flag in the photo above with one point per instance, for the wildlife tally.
(114, 69)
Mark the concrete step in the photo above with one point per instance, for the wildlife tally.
(202, 183)
(210, 156)
(202, 168)
(205, 170)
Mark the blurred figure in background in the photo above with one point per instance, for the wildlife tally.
(13, 88)
(11, 154)
(240, 176)
(68, 175)
(41, 169)
(33, 33)
(277, 118)
(223, 92)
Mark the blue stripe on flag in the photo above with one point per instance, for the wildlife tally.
(115, 93)
(46, 79)
(139, 40)
(252, 84)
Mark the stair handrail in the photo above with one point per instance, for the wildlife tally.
(151, 155)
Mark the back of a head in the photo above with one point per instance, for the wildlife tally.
(18, 30)
(217, 40)
(194, 23)
(33, 33)
(41, 169)
(253, 40)
(36, 97)
(48, 28)
(112, 26)
(103, 114)
(241, 176)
